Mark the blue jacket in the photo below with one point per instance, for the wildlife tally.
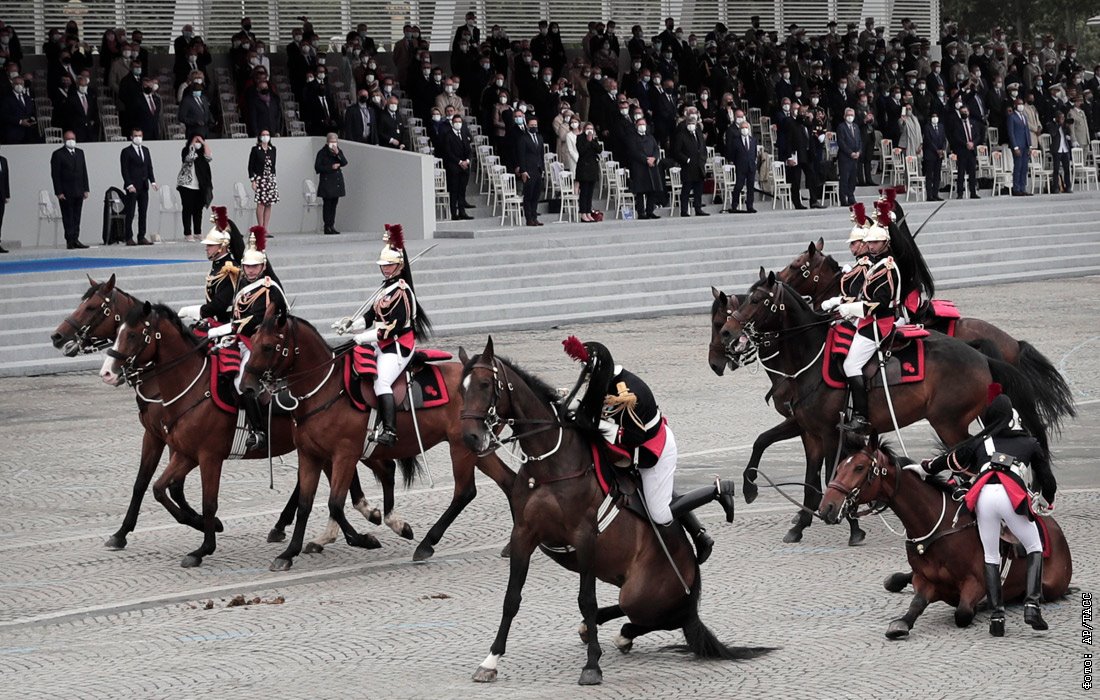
(1018, 134)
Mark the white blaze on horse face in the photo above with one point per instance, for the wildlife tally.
(109, 371)
(466, 383)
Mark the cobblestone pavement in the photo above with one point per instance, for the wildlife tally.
(80, 621)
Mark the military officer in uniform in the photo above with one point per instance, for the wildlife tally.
(393, 324)
(221, 281)
(621, 406)
(1004, 462)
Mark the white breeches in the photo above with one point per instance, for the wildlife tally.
(863, 349)
(657, 482)
(390, 366)
(245, 354)
(992, 508)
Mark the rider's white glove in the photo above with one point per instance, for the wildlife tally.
(1040, 505)
(851, 309)
(347, 325)
(830, 304)
(917, 469)
(219, 331)
(192, 312)
(610, 430)
(366, 337)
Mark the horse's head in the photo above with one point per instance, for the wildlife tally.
(760, 312)
(486, 395)
(135, 344)
(95, 321)
(717, 355)
(860, 478)
(274, 351)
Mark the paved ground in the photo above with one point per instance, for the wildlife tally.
(78, 620)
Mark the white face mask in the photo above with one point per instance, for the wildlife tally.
(332, 145)
(589, 133)
(504, 99)
(624, 111)
(449, 90)
(70, 143)
(849, 118)
(499, 83)
(745, 132)
(691, 128)
(786, 108)
(137, 140)
(437, 117)
(457, 126)
(393, 108)
(935, 120)
(263, 139)
(641, 129)
(83, 89)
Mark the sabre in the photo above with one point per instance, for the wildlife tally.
(342, 328)
(416, 427)
(936, 211)
(886, 388)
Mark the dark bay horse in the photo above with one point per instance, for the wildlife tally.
(94, 325)
(555, 498)
(817, 276)
(328, 430)
(779, 324)
(941, 537)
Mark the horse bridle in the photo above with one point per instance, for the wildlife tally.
(851, 496)
(81, 333)
(135, 375)
(492, 420)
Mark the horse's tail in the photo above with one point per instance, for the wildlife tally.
(702, 641)
(1019, 388)
(411, 469)
(1055, 400)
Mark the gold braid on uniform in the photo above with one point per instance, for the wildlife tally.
(624, 401)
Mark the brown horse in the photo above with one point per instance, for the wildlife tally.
(941, 538)
(817, 276)
(94, 325)
(329, 430)
(775, 321)
(554, 504)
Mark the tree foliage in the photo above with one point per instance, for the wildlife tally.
(1029, 20)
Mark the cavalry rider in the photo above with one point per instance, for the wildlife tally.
(621, 406)
(257, 288)
(873, 310)
(1007, 461)
(392, 324)
(917, 285)
(221, 281)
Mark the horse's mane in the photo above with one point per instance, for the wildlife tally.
(790, 293)
(166, 312)
(830, 262)
(92, 289)
(891, 454)
(544, 391)
(340, 348)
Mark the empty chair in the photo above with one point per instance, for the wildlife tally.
(914, 180)
(311, 204)
(570, 200)
(676, 187)
(171, 206)
(243, 203)
(781, 189)
(49, 211)
(511, 201)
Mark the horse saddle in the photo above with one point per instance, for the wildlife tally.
(428, 388)
(622, 486)
(904, 349)
(225, 365)
(1011, 547)
(939, 314)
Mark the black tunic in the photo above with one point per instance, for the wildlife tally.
(221, 286)
(251, 301)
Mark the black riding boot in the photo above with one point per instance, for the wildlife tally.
(257, 435)
(722, 491)
(857, 389)
(387, 409)
(1032, 615)
(703, 543)
(993, 590)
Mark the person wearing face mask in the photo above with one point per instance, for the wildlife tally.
(741, 151)
(1061, 144)
(964, 133)
(69, 173)
(144, 109)
(455, 148)
(588, 169)
(1019, 138)
(194, 111)
(689, 150)
(263, 110)
(17, 119)
(391, 130)
(195, 185)
(849, 143)
(889, 114)
(529, 165)
(120, 68)
(81, 112)
(329, 165)
(448, 98)
(933, 150)
(320, 111)
(797, 153)
(129, 95)
(361, 120)
(910, 137)
(642, 155)
(137, 177)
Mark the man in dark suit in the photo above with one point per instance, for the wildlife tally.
(319, 110)
(456, 150)
(329, 166)
(964, 135)
(137, 176)
(797, 154)
(145, 109)
(391, 132)
(195, 113)
(1019, 138)
(70, 183)
(83, 113)
(740, 151)
(529, 168)
(361, 121)
(1061, 144)
(17, 110)
(664, 113)
(5, 194)
(849, 142)
(689, 150)
(934, 150)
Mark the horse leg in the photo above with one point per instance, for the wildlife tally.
(899, 628)
(194, 518)
(624, 640)
(342, 470)
(278, 531)
(522, 544)
(211, 471)
(327, 536)
(359, 499)
(811, 496)
(611, 612)
(462, 466)
(856, 535)
(177, 469)
(784, 431)
(394, 521)
(586, 599)
(152, 447)
(495, 468)
(970, 594)
(896, 582)
(309, 473)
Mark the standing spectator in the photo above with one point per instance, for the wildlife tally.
(5, 194)
(181, 48)
(137, 176)
(689, 150)
(865, 120)
(1078, 120)
(1061, 142)
(145, 109)
(934, 150)
(261, 172)
(329, 165)
(83, 113)
(265, 111)
(319, 105)
(17, 108)
(69, 172)
(195, 185)
(1019, 138)
(909, 139)
(664, 112)
(529, 166)
(361, 121)
(964, 136)
(456, 151)
(449, 98)
(741, 150)
(588, 169)
(568, 144)
(391, 132)
(642, 154)
(849, 149)
(796, 151)
(129, 94)
(195, 113)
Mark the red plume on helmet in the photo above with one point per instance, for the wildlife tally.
(395, 236)
(575, 348)
(889, 194)
(221, 218)
(993, 392)
(882, 213)
(261, 237)
(859, 214)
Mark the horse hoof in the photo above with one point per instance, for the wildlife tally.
(895, 583)
(375, 517)
(622, 643)
(218, 527)
(591, 676)
(898, 629)
(276, 535)
(506, 553)
(364, 541)
(115, 542)
(485, 675)
(191, 561)
(963, 619)
(313, 548)
(793, 535)
(280, 564)
(856, 538)
(582, 632)
(749, 490)
(424, 552)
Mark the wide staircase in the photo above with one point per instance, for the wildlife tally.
(496, 279)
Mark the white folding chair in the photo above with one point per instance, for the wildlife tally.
(781, 189)
(570, 200)
(171, 206)
(442, 196)
(49, 211)
(623, 195)
(311, 205)
(243, 203)
(677, 188)
(511, 201)
(914, 181)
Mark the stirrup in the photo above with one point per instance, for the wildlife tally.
(256, 439)
(858, 425)
(385, 436)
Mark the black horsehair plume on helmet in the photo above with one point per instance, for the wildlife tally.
(395, 237)
(911, 265)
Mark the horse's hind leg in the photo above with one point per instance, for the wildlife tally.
(359, 499)
(462, 466)
(342, 470)
(970, 594)
(177, 469)
(385, 474)
(278, 531)
(624, 640)
(152, 447)
(603, 615)
(211, 469)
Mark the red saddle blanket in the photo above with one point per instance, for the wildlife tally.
(429, 387)
(941, 315)
(225, 364)
(904, 364)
